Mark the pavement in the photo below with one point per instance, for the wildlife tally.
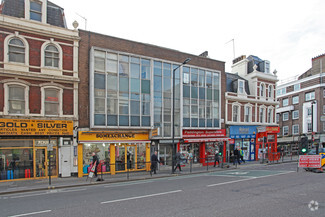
(18, 186)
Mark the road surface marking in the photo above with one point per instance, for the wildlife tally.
(29, 195)
(126, 184)
(241, 180)
(139, 197)
(47, 192)
(31, 213)
(72, 190)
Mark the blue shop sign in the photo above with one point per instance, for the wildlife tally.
(242, 132)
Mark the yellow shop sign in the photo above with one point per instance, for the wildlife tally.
(86, 136)
(21, 127)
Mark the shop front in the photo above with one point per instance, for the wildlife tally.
(266, 140)
(117, 151)
(29, 148)
(243, 138)
(201, 145)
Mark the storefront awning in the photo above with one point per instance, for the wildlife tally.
(207, 140)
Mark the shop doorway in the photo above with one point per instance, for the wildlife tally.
(129, 157)
(165, 154)
(40, 162)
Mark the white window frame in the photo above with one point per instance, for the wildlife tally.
(323, 126)
(283, 130)
(238, 112)
(283, 115)
(271, 91)
(6, 49)
(309, 127)
(296, 87)
(6, 96)
(52, 86)
(310, 96)
(293, 101)
(249, 114)
(270, 114)
(262, 109)
(323, 109)
(44, 10)
(293, 116)
(44, 45)
(277, 118)
(293, 129)
(241, 86)
(285, 100)
(262, 89)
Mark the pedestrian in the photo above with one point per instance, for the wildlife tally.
(236, 154)
(154, 162)
(241, 155)
(95, 164)
(178, 162)
(216, 158)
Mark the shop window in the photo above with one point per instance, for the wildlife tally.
(16, 50)
(51, 56)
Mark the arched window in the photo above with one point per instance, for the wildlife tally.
(270, 91)
(262, 89)
(51, 56)
(16, 50)
(52, 101)
(16, 99)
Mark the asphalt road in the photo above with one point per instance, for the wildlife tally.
(274, 190)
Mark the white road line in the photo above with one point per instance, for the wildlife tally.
(139, 197)
(47, 192)
(126, 184)
(29, 195)
(31, 213)
(72, 190)
(241, 180)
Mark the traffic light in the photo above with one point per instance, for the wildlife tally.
(220, 150)
(304, 145)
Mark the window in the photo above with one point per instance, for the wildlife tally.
(235, 113)
(36, 11)
(309, 96)
(285, 102)
(295, 100)
(295, 129)
(16, 50)
(309, 111)
(277, 118)
(296, 87)
(51, 101)
(16, 99)
(270, 115)
(285, 116)
(262, 89)
(323, 126)
(241, 86)
(309, 127)
(295, 114)
(281, 91)
(324, 93)
(51, 56)
(262, 115)
(248, 116)
(285, 130)
(270, 91)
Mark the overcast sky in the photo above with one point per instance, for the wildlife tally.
(288, 33)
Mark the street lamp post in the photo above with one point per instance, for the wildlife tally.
(173, 116)
(312, 122)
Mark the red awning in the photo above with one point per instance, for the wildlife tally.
(207, 140)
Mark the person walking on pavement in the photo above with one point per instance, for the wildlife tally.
(95, 163)
(178, 161)
(236, 154)
(216, 158)
(154, 162)
(241, 155)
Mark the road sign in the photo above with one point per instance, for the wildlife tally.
(310, 161)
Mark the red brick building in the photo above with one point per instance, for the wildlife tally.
(38, 90)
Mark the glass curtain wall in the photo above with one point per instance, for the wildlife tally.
(121, 90)
(163, 98)
(200, 98)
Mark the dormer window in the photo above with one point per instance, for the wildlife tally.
(36, 10)
(241, 86)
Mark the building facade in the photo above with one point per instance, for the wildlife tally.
(38, 91)
(126, 99)
(301, 110)
(250, 103)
